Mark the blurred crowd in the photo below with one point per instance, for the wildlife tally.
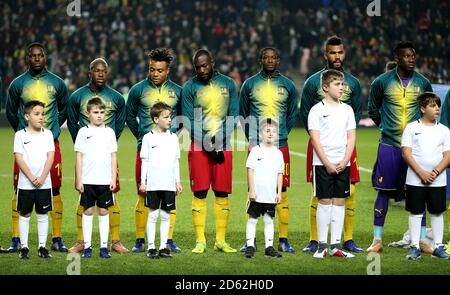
(234, 30)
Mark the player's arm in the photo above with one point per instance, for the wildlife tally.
(121, 116)
(177, 123)
(177, 167)
(375, 101)
(112, 185)
(292, 107)
(445, 110)
(24, 167)
(318, 148)
(73, 116)
(187, 106)
(251, 184)
(49, 162)
(356, 101)
(445, 162)
(233, 113)
(307, 102)
(351, 140)
(244, 107)
(79, 147)
(12, 106)
(279, 187)
(62, 100)
(144, 164)
(132, 108)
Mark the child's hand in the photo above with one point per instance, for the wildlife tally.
(112, 185)
(426, 177)
(142, 188)
(278, 198)
(252, 196)
(179, 188)
(331, 169)
(79, 186)
(341, 166)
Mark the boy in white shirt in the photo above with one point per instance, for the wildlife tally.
(34, 151)
(332, 127)
(265, 166)
(160, 177)
(95, 174)
(426, 150)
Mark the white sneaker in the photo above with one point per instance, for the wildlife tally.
(341, 253)
(320, 253)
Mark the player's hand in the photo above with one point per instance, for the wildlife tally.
(252, 196)
(142, 188)
(79, 186)
(278, 198)
(179, 188)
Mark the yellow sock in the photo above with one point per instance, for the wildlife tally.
(140, 217)
(222, 212)
(114, 219)
(312, 219)
(80, 210)
(173, 218)
(199, 218)
(283, 215)
(349, 220)
(57, 214)
(448, 216)
(15, 217)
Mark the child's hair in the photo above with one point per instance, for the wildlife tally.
(428, 97)
(329, 76)
(95, 102)
(263, 123)
(158, 108)
(31, 104)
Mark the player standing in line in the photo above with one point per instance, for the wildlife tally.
(392, 105)
(77, 117)
(334, 54)
(269, 94)
(160, 177)
(96, 173)
(143, 95)
(37, 83)
(210, 102)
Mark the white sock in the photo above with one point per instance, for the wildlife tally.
(337, 223)
(42, 221)
(24, 228)
(87, 230)
(323, 218)
(103, 227)
(151, 228)
(268, 230)
(437, 225)
(251, 231)
(415, 222)
(164, 228)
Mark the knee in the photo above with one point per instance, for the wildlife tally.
(201, 194)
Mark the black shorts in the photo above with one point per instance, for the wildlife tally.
(160, 199)
(42, 199)
(256, 209)
(97, 195)
(328, 186)
(433, 197)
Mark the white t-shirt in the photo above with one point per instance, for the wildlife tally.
(34, 149)
(267, 163)
(427, 144)
(332, 122)
(160, 154)
(96, 144)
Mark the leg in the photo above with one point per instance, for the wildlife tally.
(283, 207)
(141, 212)
(170, 243)
(57, 212)
(349, 222)
(114, 224)
(222, 212)
(250, 236)
(15, 243)
(199, 220)
(103, 226)
(164, 252)
(79, 244)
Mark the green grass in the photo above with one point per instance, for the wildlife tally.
(392, 260)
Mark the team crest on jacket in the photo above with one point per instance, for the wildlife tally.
(280, 90)
(50, 88)
(171, 93)
(223, 91)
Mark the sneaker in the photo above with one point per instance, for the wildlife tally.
(377, 246)
(351, 246)
(425, 248)
(440, 253)
(284, 246)
(104, 253)
(271, 252)
(118, 247)
(249, 251)
(200, 247)
(320, 253)
(43, 253)
(244, 248)
(224, 247)
(58, 245)
(3, 250)
(164, 253)
(311, 247)
(15, 245)
(139, 246)
(23, 253)
(152, 254)
(77, 248)
(87, 252)
(338, 252)
(413, 254)
(173, 247)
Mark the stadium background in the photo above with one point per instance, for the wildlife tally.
(123, 31)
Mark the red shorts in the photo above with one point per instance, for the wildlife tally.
(55, 171)
(354, 171)
(204, 172)
(287, 165)
(138, 173)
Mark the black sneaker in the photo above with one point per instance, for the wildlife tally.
(271, 252)
(43, 253)
(23, 253)
(250, 252)
(152, 254)
(165, 253)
